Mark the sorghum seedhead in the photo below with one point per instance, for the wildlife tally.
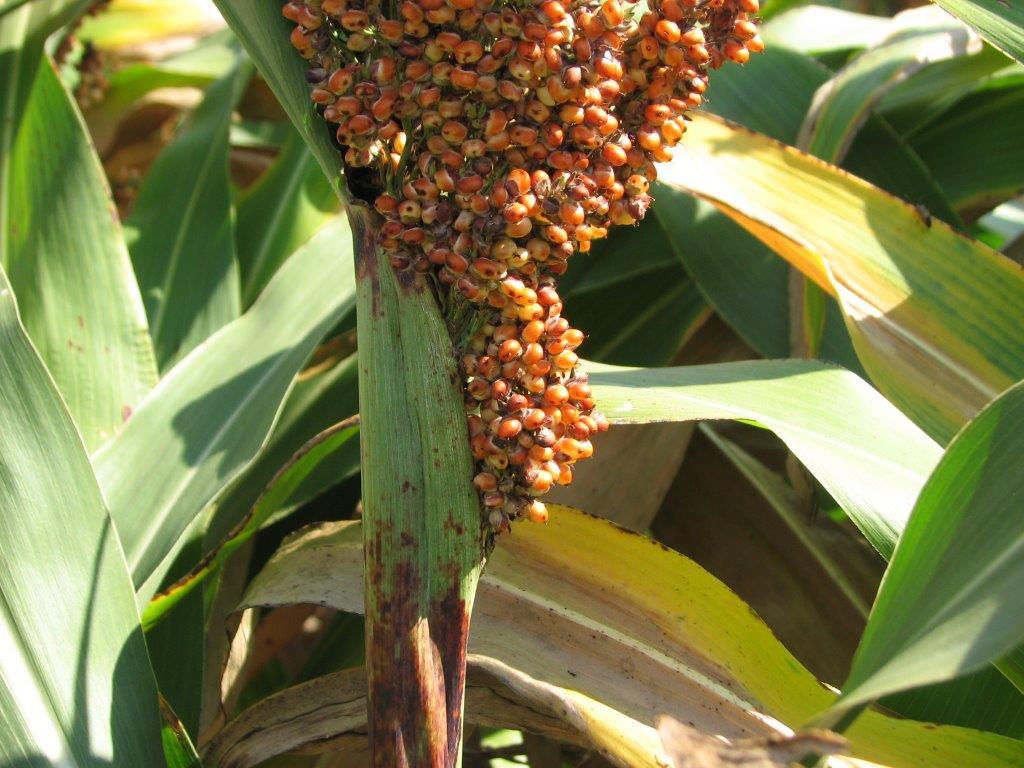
(506, 137)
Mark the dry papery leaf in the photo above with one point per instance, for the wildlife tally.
(586, 633)
(689, 748)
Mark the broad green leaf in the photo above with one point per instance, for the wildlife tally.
(210, 415)
(176, 648)
(879, 155)
(24, 27)
(601, 631)
(867, 455)
(264, 134)
(820, 28)
(70, 269)
(279, 213)
(76, 688)
(950, 600)
(999, 22)
(915, 101)
(264, 33)
(916, 38)
(977, 181)
(183, 243)
(277, 493)
(940, 336)
(317, 400)
(782, 498)
(985, 699)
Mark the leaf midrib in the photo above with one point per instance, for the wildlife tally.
(297, 173)
(183, 230)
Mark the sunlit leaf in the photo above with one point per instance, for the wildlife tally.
(264, 33)
(603, 631)
(210, 415)
(67, 243)
(939, 336)
(998, 21)
(949, 603)
(279, 213)
(916, 38)
(278, 491)
(870, 457)
(76, 687)
(821, 28)
(976, 181)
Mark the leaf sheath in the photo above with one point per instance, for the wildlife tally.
(423, 535)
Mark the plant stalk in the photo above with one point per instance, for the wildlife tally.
(424, 540)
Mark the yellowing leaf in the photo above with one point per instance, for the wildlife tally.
(609, 630)
(935, 317)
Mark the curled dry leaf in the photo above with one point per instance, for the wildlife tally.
(330, 712)
(603, 631)
(689, 748)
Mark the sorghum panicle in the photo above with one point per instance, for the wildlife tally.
(508, 136)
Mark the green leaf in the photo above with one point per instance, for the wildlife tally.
(178, 749)
(985, 699)
(635, 268)
(76, 688)
(950, 600)
(265, 35)
(70, 269)
(916, 38)
(742, 278)
(24, 27)
(183, 249)
(939, 335)
(210, 415)
(279, 213)
(783, 500)
(277, 493)
(977, 181)
(817, 29)
(917, 100)
(867, 455)
(999, 22)
(316, 402)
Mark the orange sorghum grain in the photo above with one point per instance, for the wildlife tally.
(507, 137)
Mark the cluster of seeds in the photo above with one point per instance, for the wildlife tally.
(507, 136)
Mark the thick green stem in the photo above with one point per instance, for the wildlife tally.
(422, 524)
